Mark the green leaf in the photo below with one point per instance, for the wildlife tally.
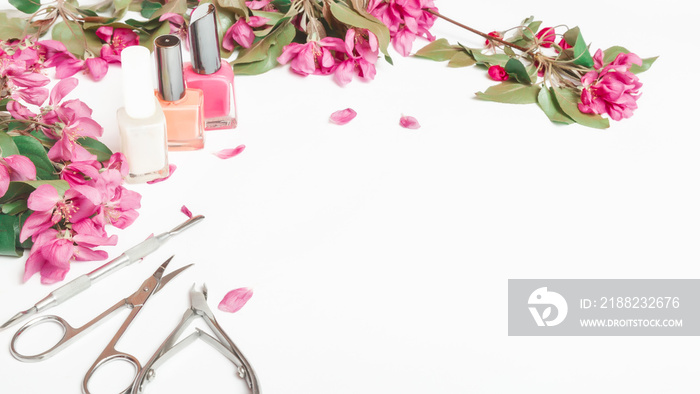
(285, 36)
(76, 39)
(581, 54)
(611, 53)
(568, 102)
(282, 5)
(146, 39)
(517, 69)
(236, 6)
(461, 59)
(14, 27)
(352, 18)
(438, 50)
(148, 8)
(532, 29)
(511, 93)
(31, 148)
(26, 6)
(95, 147)
(174, 6)
(7, 145)
(548, 104)
(258, 51)
(489, 60)
(274, 17)
(15, 207)
(121, 4)
(9, 234)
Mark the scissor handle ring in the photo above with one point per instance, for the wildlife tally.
(68, 333)
(115, 356)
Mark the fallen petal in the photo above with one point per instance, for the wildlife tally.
(235, 299)
(409, 122)
(186, 211)
(343, 116)
(229, 153)
(171, 169)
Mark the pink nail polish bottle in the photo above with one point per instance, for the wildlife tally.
(183, 107)
(206, 71)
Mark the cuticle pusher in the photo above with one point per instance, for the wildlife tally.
(82, 282)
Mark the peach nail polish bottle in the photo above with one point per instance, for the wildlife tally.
(206, 71)
(141, 121)
(183, 107)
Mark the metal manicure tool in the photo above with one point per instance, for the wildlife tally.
(135, 302)
(198, 308)
(82, 282)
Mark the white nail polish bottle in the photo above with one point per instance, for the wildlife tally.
(141, 121)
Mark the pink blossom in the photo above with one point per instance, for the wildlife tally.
(314, 57)
(409, 122)
(15, 168)
(110, 203)
(236, 299)
(118, 38)
(229, 153)
(546, 37)
(53, 251)
(406, 20)
(362, 50)
(494, 34)
(19, 79)
(242, 32)
(343, 116)
(50, 208)
(498, 73)
(611, 89)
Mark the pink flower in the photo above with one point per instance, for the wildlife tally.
(563, 44)
(234, 300)
(242, 32)
(406, 20)
(314, 57)
(118, 38)
(343, 116)
(613, 89)
(19, 79)
(54, 249)
(494, 34)
(111, 203)
(498, 73)
(546, 37)
(15, 168)
(362, 50)
(409, 122)
(50, 208)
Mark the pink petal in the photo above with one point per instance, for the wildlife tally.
(257, 5)
(44, 198)
(409, 122)
(105, 33)
(242, 33)
(234, 300)
(172, 17)
(30, 80)
(257, 21)
(344, 73)
(35, 96)
(68, 67)
(186, 211)
(97, 67)
(21, 168)
(4, 180)
(171, 169)
(229, 153)
(343, 116)
(62, 89)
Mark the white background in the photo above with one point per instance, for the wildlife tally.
(379, 256)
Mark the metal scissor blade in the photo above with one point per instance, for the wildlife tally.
(171, 275)
(159, 272)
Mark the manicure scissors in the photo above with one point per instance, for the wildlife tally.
(198, 308)
(135, 302)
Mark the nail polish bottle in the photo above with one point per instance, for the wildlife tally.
(206, 71)
(183, 107)
(141, 120)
